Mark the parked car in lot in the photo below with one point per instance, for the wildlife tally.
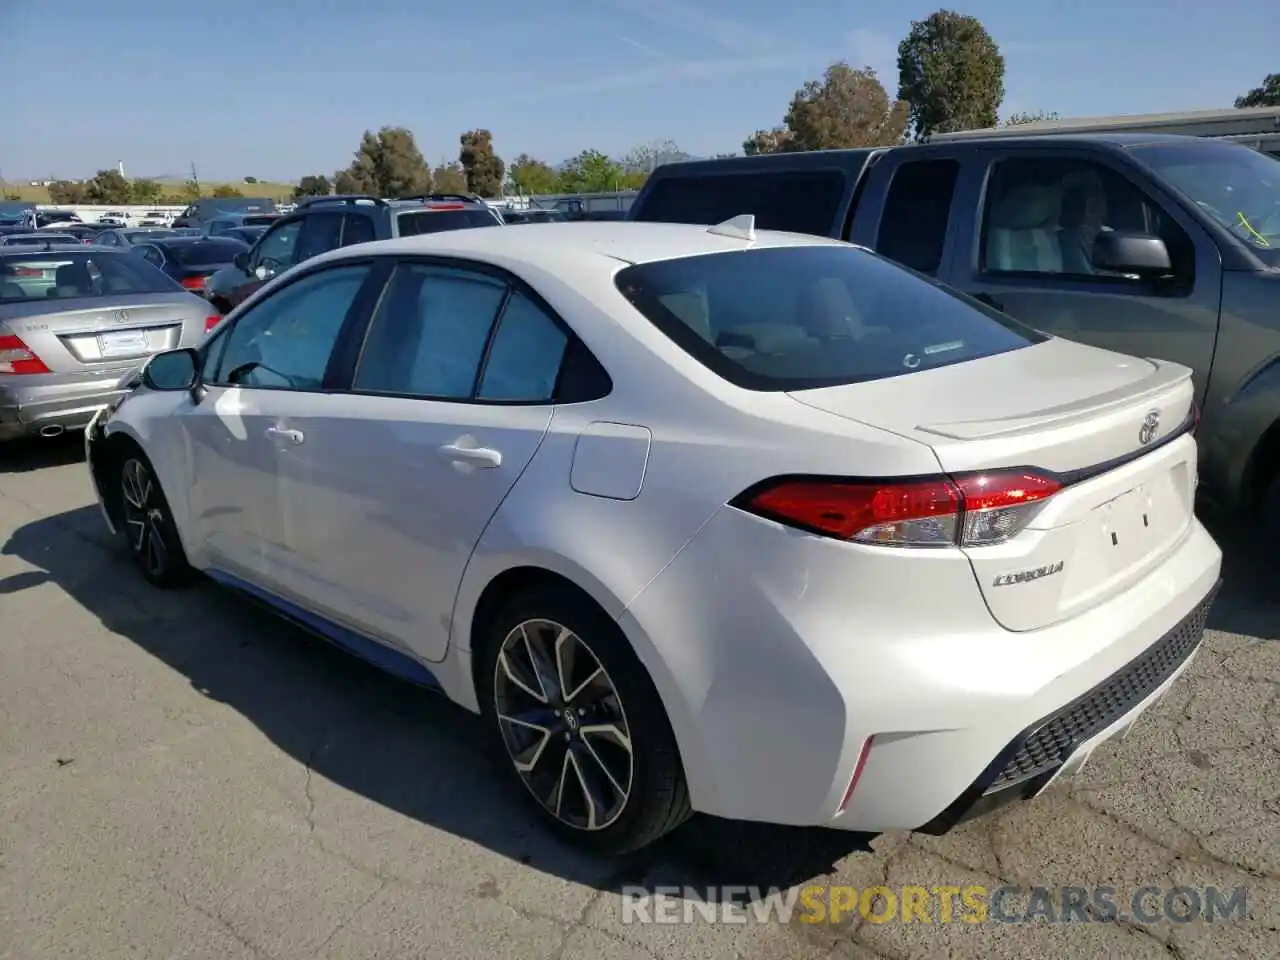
(246, 235)
(135, 235)
(224, 223)
(532, 215)
(209, 208)
(74, 320)
(43, 238)
(320, 224)
(749, 523)
(1159, 246)
(190, 260)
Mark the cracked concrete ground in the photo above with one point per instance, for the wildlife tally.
(182, 776)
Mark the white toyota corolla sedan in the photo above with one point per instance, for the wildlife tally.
(754, 524)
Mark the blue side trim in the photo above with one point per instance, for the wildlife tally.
(371, 651)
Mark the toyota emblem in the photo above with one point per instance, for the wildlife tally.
(122, 316)
(1150, 427)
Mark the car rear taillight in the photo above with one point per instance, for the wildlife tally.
(211, 322)
(17, 357)
(194, 283)
(28, 272)
(969, 510)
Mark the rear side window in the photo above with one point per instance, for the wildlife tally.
(917, 210)
(794, 318)
(799, 202)
(436, 221)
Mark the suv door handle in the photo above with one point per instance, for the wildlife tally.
(292, 437)
(478, 456)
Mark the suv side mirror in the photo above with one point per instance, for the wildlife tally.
(172, 370)
(1141, 254)
(241, 262)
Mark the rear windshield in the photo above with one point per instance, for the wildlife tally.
(261, 220)
(794, 318)
(796, 201)
(220, 250)
(60, 274)
(434, 221)
(245, 205)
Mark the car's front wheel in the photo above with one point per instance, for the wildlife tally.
(580, 723)
(148, 526)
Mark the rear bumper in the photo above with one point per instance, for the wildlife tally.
(53, 405)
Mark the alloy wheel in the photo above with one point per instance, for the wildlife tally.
(563, 724)
(144, 516)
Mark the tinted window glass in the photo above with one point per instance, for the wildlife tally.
(1043, 214)
(68, 273)
(285, 341)
(357, 229)
(205, 251)
(524, 359)
(238, 205)
(259, 221)
(799, 202)
(278, 246)
(424, 221)
(320, 233)
(913, 226)
(430, 333)
(789, 318)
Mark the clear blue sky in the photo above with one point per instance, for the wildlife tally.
(281, 88)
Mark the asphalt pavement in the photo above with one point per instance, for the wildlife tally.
(184, 776)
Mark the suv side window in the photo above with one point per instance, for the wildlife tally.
(428, 338)
(320, 234)
(357, 228)
(917, 212)
(525, 356)
(285, 341)
(796, 201)
(1043, 213)
(276, 248)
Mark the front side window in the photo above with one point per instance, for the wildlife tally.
(525, 356)
(320, 234)
(429, 335)
(794, 318)
(276, 251)
(1044, 213)
(357, 228)
(286, 340)
(1237, 186)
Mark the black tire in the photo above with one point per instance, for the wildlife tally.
(657, 800)
(146, 523)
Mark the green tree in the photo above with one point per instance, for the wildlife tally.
(387, 164)
(484, 168)
(846, 108)
(590, 172)
(191, 190)
(226, 190)
(146, 191)
(449, 178)
(1018, 119)
(64, 191)
(108, 187)
(952, 74)
(314, 185)
(1267, 95)
(767, 141)
(531, 177)
(647, 157)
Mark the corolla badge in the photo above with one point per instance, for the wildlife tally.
(1026, 576)
(1150, 427)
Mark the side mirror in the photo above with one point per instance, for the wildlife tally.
(172, 370)
(241, 262)
(1140, 254)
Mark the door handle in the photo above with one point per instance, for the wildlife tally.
(478, 456)
(293, 437)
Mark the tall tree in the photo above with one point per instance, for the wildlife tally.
(767, 141)
(449, 178)
(227, 191)
(646, 157)
(1018, 119)
(532, 177)
(1267, 95)
(313, 185)
(387, 164)
(846, 108)
(64, 191)
(108, 186)
(484, 168)
(590, 172)
(952, 74)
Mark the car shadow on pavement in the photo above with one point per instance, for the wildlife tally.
(1249, 603)
(407, 749)
(38, 453)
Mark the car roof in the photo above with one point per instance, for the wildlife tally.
(574, 243)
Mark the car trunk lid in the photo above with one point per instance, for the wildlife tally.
(1111, 429)
(100, 331)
